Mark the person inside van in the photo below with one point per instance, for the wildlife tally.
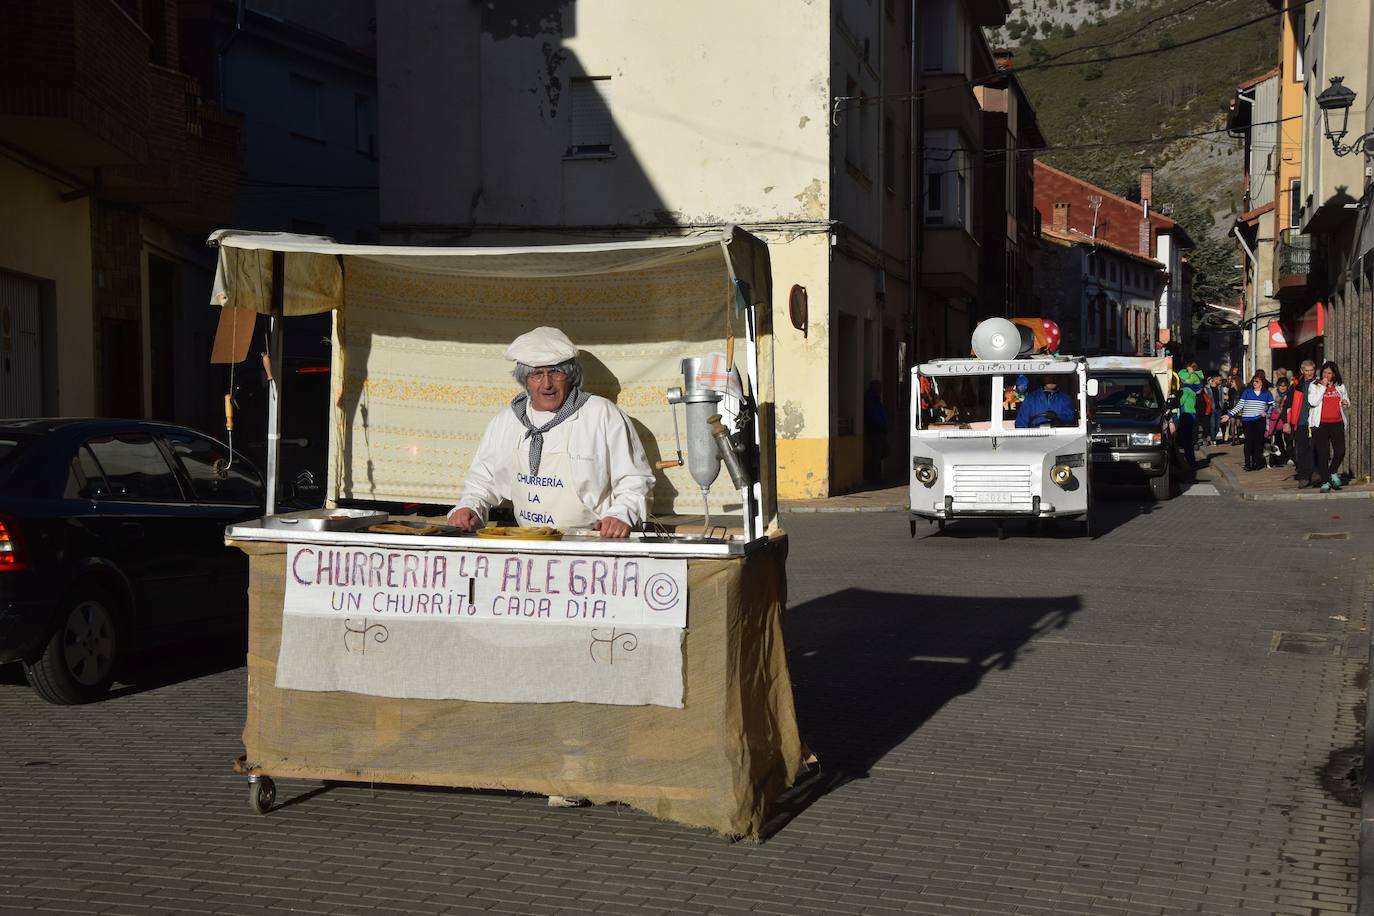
(1045, 406)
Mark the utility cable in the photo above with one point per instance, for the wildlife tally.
(839, 100)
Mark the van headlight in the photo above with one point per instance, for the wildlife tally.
(1061, 474)
(924, 471)
(1145, 439)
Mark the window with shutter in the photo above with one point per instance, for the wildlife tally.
(591, 127)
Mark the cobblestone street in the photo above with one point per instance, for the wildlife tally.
(1159, 720)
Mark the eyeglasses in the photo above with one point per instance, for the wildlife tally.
(553, 375)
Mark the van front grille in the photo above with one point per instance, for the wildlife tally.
(978, 484)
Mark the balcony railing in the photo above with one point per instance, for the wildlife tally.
(1297, 254)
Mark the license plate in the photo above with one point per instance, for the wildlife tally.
(994, 498)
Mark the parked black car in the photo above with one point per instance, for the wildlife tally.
(112, 541)
(1129, 432)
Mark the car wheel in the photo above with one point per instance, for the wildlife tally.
(78, 663)
(1162, 487)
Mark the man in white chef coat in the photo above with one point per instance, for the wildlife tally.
(563, 457)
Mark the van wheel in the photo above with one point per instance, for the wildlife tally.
(78, 663)
(1162, 487)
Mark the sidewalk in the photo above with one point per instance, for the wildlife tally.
(886, 499)
(1272, 483)
(1227, 463)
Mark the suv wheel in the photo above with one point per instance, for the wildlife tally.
(78, 663)
(1162, 487)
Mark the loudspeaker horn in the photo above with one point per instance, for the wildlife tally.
(996, 338)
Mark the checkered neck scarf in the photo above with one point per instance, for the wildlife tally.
(520, 407)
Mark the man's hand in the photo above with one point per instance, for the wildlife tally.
(465, 518)
(1287, 428)
(612, 527)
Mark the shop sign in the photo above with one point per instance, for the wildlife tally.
(525, 588)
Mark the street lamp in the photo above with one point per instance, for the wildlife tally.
(1339, 98)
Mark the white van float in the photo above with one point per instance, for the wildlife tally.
(973, 452)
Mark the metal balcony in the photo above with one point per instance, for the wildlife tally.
(1299, 264)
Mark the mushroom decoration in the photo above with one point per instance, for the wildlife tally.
(1052, 336)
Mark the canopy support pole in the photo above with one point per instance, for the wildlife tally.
(274, 379)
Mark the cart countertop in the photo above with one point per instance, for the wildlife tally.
(645, 544)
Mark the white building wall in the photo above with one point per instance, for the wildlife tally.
(1166, 253)
(719, 112)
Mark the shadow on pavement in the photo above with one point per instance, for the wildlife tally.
(870, 668)
(1113, 506)
(176, 664)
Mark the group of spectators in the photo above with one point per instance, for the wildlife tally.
(1299, 422)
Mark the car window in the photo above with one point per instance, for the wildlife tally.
(135, 469)
(10, 448)
(85, 480)
(1119, 391)
(214, 478)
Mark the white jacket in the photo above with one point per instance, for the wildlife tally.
(1314, 401)
(613, 477)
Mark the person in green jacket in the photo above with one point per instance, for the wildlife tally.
(1189, 388)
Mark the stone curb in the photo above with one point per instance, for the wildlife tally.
(786, 508)
(1236, 486)
(1364, 905)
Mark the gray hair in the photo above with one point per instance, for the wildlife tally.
(1308, 364)
(568, 367)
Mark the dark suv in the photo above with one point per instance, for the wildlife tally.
(1128, 424)
(112, 540)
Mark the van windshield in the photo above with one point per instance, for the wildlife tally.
(956, 401)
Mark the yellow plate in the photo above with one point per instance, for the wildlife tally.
(523, 534)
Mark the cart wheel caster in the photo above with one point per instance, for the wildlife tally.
(913, 527)
(262, 793)
(1001, 532)
(940, 525)
(1087, 528)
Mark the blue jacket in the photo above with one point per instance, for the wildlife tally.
(1041, 401)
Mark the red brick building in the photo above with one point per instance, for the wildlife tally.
(1090, 215)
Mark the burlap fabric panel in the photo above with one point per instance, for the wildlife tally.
(716, 763)
(421, 370)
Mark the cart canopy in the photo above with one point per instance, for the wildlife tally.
(420, 333)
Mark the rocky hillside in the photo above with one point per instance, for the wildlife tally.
(1119, 87)
(1031, 19)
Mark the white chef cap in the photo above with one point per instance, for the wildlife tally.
(541, 347)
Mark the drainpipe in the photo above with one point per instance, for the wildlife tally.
(1254, 300)
(223, 49)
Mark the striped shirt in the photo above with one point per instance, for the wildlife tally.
(1253, 405)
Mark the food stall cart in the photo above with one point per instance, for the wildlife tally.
(649, 671)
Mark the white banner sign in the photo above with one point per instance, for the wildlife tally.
(506, 628)
(383, 582)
